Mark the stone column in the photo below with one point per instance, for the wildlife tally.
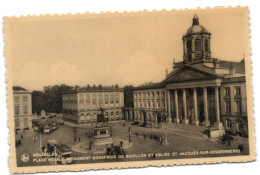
(218, 123)
(177, 118)
(185, 120)
(155, 118)
(126, 115)
(130, 115)
(206, 117)
(142, 117)
(169, 118)
(195, 101)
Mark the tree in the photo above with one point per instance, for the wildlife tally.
(50, 99)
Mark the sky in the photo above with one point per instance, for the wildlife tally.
(109, 49)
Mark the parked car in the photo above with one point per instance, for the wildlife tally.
(54, 126)
(60, 121)
(142, 124)
(115, 150)
(47, 129)
(135, 123)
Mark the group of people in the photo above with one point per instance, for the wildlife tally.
(154, 137)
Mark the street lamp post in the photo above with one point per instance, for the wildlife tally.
(129, 129)
(75, 134)
(40, 142)
(165, 135)
(110, 125)
(89, 139)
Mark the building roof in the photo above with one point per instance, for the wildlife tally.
(151, 86)
(196, 28)
(99, 88)
(234, 79)
(18, 88)
(239, 66)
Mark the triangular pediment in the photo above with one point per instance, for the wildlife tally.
(188, 73)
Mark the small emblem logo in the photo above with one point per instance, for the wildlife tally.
(25, 157)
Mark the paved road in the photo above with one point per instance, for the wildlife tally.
(179, 140)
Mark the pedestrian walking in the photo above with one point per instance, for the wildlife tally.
(154, 155)
(79, 139)
(22, 136)
(121, 143)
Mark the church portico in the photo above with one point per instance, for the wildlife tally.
(195, 104)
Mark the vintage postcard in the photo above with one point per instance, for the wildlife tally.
(133, 89)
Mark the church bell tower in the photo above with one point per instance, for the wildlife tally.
(196, 43)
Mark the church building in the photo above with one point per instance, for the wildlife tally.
(200, 90)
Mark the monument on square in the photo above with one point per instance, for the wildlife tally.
(101, 137)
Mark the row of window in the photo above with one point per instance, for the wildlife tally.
(17, 110)
(236, 88)
(238, 106)
(112, 113)
(17, 99)
(150, 104)
(99, 96)
(240, 123)
(81, 105)
(89, 104)
(149, 94)
(197, 47)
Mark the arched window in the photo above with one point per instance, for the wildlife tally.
(188, 44)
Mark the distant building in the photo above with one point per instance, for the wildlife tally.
(22, 100)
(200, 90)
(83, 104)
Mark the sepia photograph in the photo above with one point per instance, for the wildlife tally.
(133, 89)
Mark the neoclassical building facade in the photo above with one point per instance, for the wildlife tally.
(200, 90)
(22, 100)
(82, 105)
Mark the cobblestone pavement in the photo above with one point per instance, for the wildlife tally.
(181, 138)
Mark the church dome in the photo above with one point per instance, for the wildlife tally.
(196, 28)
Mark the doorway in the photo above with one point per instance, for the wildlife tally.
(201, 112)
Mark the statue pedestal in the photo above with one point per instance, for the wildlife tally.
(101, 139)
